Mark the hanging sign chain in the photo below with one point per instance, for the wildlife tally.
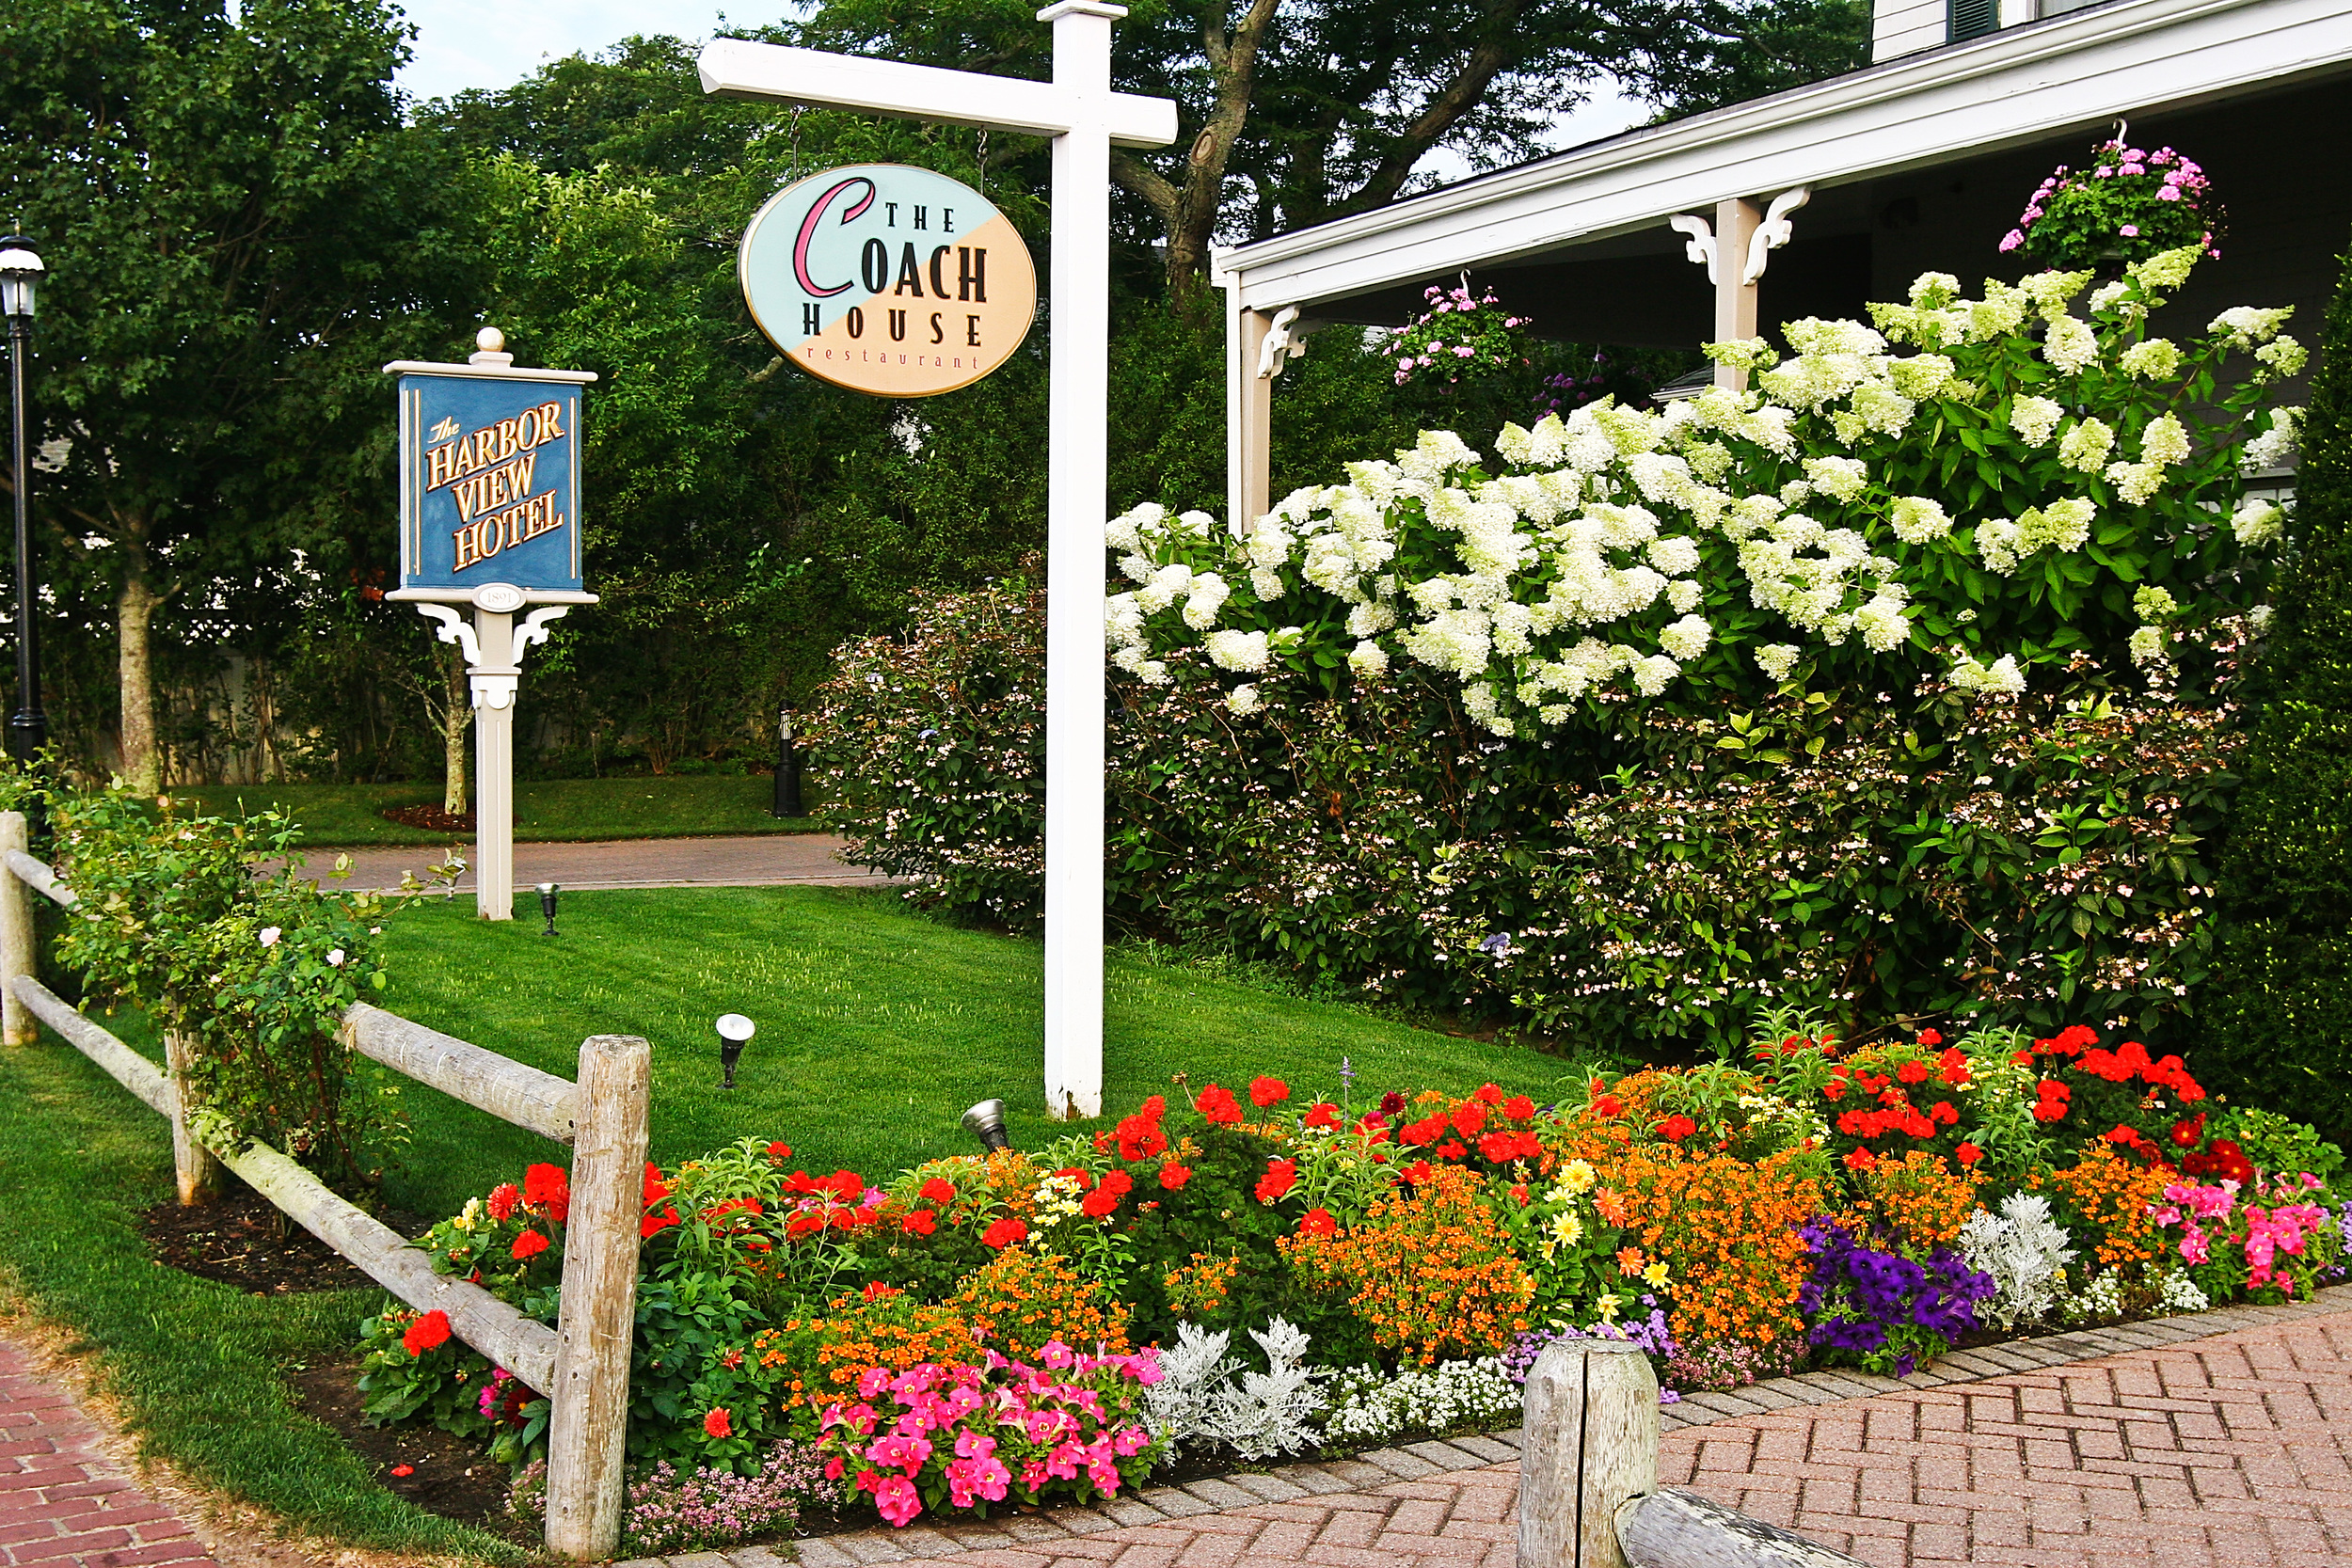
(980, 157)
(796, 141)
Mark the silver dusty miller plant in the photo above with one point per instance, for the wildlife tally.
(1206, 1396)
(2027, 1255)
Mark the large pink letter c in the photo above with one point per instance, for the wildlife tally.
(808, 234)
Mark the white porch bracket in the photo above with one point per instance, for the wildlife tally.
(1746, 233)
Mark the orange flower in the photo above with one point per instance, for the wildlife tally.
(1431, 1271)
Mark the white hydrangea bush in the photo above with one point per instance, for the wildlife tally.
(1981, 485)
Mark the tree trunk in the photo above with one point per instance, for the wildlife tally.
(456, 718)
(135, 616)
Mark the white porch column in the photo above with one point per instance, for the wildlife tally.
(1248, 419)
(1737, 220)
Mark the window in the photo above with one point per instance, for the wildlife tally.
(1968, 18)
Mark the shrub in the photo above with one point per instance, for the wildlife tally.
(1023, 1300)
(1432, 1272)
(2275, 1027)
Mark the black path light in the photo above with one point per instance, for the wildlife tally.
(21, 270)
(788, 802)
(546, 904)
(986, 1122)
(733, 1029)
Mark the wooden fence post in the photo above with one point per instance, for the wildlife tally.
(588, 1426)
(1590, 1445)
(16, 934)
(195, 1167)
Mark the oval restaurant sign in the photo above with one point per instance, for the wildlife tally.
(888, 280)
(489, 481)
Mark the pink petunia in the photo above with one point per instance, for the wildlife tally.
(898, 1501)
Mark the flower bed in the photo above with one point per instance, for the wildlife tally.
(1246, 1274)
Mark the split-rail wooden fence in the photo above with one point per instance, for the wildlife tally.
(581, 1363)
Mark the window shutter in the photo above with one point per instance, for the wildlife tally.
(1968, 18)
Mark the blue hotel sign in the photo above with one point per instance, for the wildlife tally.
(489, 479)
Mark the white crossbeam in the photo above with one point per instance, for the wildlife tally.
(733, 68)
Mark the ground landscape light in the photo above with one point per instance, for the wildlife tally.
(546, 904)
(733, 1029)
(986, 1122)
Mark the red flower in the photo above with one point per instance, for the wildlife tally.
(1450, 1149)
(1677, 1128)
(530, 1244)
(1154, 1108)
(717, 1423)
(1861, 1158)
(1267, 1091)
(546, 1187)
(1519, 1107)
(1139, 1136)
(1834, 1089)
(1490, 1093)
(1173, 1176)
(1280, 1178)
(846, 1185)
(1218, 1105)
(1317, 1222)
(1968, 1154)
(922, 1222)
(779, 1153)
(938, 1190)
(1083, 1177)
(1322, 1115)
(1118, 1184)
(1913, 1073)
(2050, 1098)
(1929, 1036)
(1099, 1204)
(1609, 1105)
(1943, 1113)
(401, 1469)
(1500, 1148)
(2190, 1131)
(1419, 1171)
(1005, 1232)
(426, 1333)
(1518, 1192)
(503, 1199)
(1468, 1117)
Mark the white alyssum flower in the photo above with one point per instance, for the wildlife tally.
(2180, 1294)
(1776, 660)
(1369, 1405)
(2100, 1298)
(2256, 523)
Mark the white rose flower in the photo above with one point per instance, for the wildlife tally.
(270, 935)
(335, 956)
(1843, 477)
(1654, 673)
(1237, 650)
(2246, 325)
(2165, 441)
(2155, 604)
(1684, 593)
(2070, 345)
(2086, 447)
(2135, 481)
(1368, 658)
(2153, 361)
(2284, 358)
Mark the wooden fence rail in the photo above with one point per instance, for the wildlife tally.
(581, 1363)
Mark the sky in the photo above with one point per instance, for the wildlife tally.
(496, 44)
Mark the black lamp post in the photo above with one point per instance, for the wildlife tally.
(986, 1122)
(546, 904)
(787, 767)
(733, 1029)
(19, 270)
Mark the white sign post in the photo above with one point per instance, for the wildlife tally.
(1085, 117)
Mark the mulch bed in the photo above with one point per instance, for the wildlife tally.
(431, 818)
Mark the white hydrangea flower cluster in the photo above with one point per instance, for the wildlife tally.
(1369, 1405)
(1619, 548)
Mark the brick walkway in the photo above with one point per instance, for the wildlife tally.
(62, 1503)
(2218, 1441)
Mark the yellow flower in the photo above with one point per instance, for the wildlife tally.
(1655, 1276)
(1577, 1175)
(1567, 1229)
(1608, 1308)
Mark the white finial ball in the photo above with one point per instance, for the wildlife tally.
(489, 340)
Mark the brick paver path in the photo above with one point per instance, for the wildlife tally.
(2201, 1450)
(62, 1503)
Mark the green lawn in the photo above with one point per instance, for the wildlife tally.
(546, 811)
(876, 1029)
